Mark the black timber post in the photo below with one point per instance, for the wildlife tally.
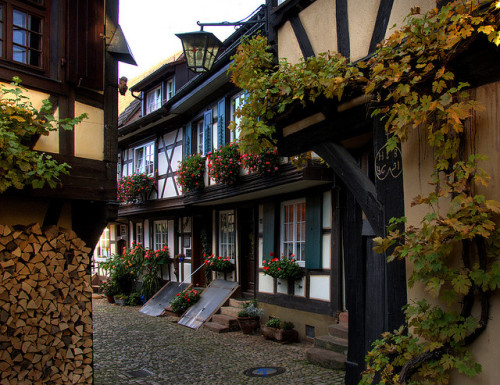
(355, 286)
(390, 192)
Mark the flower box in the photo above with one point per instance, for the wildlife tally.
(280, 335)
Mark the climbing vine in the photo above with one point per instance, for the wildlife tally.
(20, 127)
(454, 251)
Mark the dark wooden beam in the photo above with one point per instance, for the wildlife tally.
(343, 39)
(363, 189)
(302, 38)
(281, 14)
(380, 29)
(53, 212)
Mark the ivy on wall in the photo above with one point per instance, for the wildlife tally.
(20, 127)
(454, 251)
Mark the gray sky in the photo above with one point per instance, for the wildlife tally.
(150, 25)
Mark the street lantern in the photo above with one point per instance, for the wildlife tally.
(200, 49)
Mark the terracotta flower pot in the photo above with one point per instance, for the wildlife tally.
(248, 324)
(280, 334)
(110, 298)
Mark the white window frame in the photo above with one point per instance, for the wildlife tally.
(139, 233)
(153, 100)
(104, 245)
(200, 137)
(227, 236)
(144, 159)
(169, 89)
(160, 234)
(295, 242)
(236, 101)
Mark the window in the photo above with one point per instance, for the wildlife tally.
(236, 102)
(160, 234)
(103, 247)
(169, 89)
(139, 234)
(144, 159)
(227, 234)
(293, 229)
(153, 100)
(23, 30)
(200, 137)
(281, 1)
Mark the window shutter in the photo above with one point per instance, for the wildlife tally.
(314, 227)
(189, 135)
(207, 127)
(143, 103)
(86, 44)
(269, 218)
(221, 124)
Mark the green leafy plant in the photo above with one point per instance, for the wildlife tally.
(251, 311)
(224, 164)
(184, 300)
(284, 268)
(190, 173)
(20, 127)
(220, 264)
(274, 323)
(133, 299)
(135, 188)
(411, 83)
(287, 325)
(153, 261)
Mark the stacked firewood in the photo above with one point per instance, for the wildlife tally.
(45, 307)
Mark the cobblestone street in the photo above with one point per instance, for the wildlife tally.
(126, 340)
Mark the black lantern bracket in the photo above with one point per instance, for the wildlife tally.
(201, 47)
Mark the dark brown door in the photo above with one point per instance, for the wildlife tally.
(246, 218)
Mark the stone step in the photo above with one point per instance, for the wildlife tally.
(230, 310)
(227, 320)
(334, 344)
(326, 358)
(234, 302)
(344, 317)
(338, 330)
(217, 328)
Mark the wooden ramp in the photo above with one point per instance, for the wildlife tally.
(212, 299)
(161, 300)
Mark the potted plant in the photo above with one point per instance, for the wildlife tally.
(220, 264)
(284, 268)
(153, 260)
(120, 299)
(280, 331)
(265, 163)
(184, 300)
(190, 173)
(110, 289)
(224, 164)
(249, 317)
(135, 188)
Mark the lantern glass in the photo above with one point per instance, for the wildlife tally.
(200, 49)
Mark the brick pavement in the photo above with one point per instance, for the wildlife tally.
(126, 340)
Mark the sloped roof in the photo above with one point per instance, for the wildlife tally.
(129, 111)
(125, 101)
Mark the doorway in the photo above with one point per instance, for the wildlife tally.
(247, 250)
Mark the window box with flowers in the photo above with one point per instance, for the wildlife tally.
(283, 268)
(220, 264)
(265, 163)
(190, 173)
(224, 164)
(135, 188)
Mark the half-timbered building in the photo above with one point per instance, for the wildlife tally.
(372, 185)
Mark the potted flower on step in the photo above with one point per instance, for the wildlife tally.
(249, 317)
(280, 331)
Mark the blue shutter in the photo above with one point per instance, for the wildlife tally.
(268, 228)
(207, 128)
(189, 135)
(221, 124)
(314, 230)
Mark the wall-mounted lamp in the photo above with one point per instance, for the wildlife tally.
(201, 47)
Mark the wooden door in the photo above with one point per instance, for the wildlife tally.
(246, 236)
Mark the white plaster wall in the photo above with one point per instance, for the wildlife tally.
(171, 236)
(266, 284)
(300, 287)
(282, 286)
(169, 137)
(162, 164)
(187, 272)
(261, 242)
(176, 158)
(319, 287)
(362, 17)
(130, 232)
(161, 183)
